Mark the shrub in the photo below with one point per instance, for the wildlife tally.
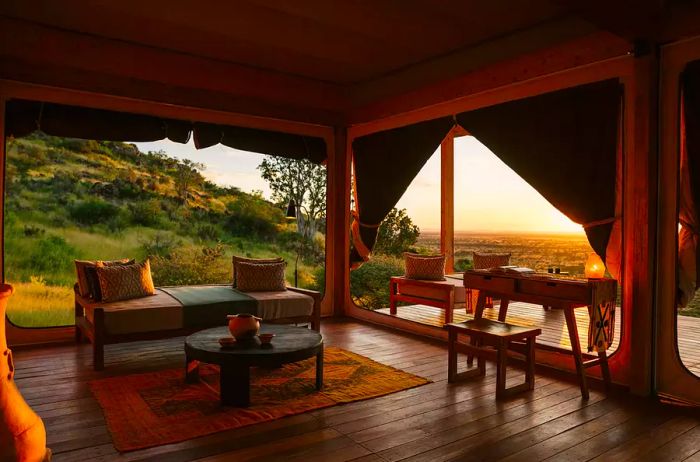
(369, 284)
(93, 211)
(52, 257)
(161, 245)
(192, 265)
(207, 232)
(462, 264)
(146, 213)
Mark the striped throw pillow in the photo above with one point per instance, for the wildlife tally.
(261, 277)
(425, 267)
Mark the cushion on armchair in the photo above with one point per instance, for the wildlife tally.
(490, 260)
(425, 267)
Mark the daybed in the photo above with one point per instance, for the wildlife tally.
(175, 311)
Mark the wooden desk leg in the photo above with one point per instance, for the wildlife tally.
(503, 309)
(501, 364)
(530, 371)
(576, 349)
(605, 369)
(451, 355)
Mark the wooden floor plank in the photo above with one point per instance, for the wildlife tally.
(438, 421)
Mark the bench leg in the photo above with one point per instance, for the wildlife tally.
(501, 364)
(393, 289)
(530, 364)
(451, 356)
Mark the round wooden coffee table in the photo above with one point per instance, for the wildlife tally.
(290, 344)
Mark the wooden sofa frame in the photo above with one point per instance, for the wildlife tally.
(97, 334)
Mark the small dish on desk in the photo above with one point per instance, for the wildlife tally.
(227, 342)
(265, 339)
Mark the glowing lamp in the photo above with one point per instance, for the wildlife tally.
(595, 268)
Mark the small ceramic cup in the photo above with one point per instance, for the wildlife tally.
(265, 339)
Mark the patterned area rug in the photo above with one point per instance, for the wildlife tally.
(155, 408)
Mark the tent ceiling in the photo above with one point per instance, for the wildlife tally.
(334, 41)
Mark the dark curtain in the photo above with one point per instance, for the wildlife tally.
(261, 141)
(24, 117)
(689, 206)
(385, 164)
(564, 145)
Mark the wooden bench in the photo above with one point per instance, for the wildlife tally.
(492, 340)
(440, 294)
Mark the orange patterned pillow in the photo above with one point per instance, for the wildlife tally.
(425, 267)
(261, 277)
(125, 282)
(84, 283)
(236, 260)
(490, 260)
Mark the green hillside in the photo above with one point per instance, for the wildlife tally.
(72, 199)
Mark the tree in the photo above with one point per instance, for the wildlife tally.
(303, 181)
(396, 234)
(187, 176)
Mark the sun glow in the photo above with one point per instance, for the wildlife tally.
(489, 196)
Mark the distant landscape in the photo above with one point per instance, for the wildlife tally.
(537, 251)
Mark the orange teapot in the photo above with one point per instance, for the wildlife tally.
(243, 326)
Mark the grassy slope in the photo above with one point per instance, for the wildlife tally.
(38, 200)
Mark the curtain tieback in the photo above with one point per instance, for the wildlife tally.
(356, 218)
(593, 224)
(689, 227)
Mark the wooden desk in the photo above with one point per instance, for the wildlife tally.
(599, 295)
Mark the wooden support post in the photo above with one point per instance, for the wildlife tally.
(447, 194)
(338, 221)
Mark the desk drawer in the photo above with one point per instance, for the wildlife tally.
(555, 289)
(487, 282)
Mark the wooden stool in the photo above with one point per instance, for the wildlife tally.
(492, 339)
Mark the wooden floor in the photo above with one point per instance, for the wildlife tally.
(553, 326)
(435, 422)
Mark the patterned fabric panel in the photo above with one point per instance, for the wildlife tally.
(236, 259)
(490, 260)
(125, 281)
(88, 285)
(261, 277)
(427, 268)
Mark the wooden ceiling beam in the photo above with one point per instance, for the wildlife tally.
(520, 67)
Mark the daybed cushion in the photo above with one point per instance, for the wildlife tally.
(282, 304)
(157, 312)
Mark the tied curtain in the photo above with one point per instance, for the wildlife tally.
(688, 213)
(24, 117)
(385, 163)
(565, 145)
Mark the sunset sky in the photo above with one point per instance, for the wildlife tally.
(489, 196)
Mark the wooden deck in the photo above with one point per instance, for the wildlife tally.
(553, 326)
(435, 422)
